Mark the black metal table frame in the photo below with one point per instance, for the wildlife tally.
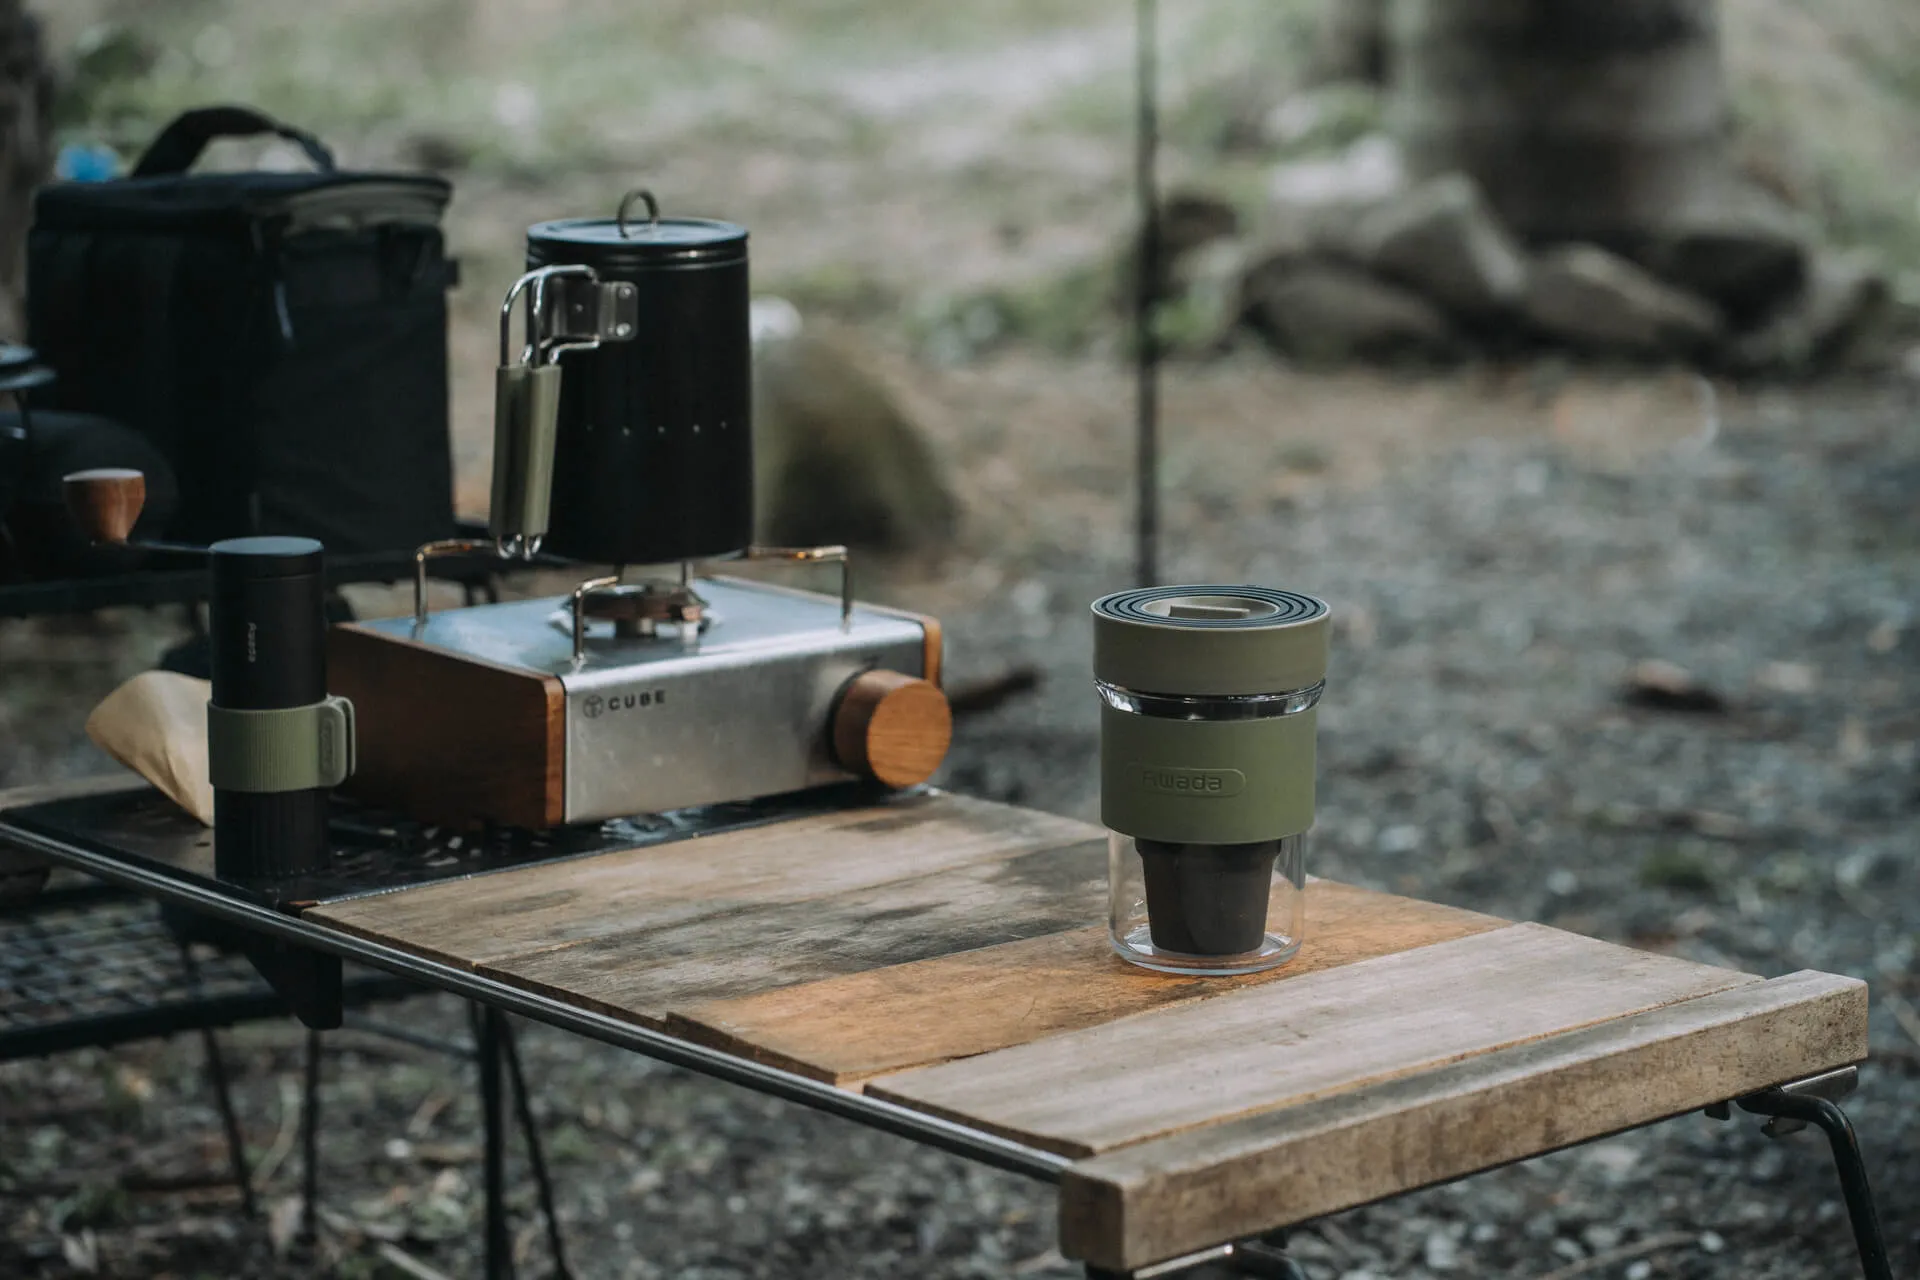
(496, 998)
(204, 1012)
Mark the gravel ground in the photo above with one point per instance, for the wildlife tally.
(1492, 595)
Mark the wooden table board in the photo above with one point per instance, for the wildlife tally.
(847, 945)
(497, 918)
(945, 954)
(847, 1029)
(1286, 1043)
(644, 971)
(1153, 1200)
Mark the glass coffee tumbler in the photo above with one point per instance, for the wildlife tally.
(1207, 717)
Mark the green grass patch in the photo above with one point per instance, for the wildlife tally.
(1681, 868)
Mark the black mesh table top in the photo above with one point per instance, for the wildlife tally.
(374, 852)
(98, 966)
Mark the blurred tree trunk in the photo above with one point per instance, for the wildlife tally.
(1581, 119)
(26, 145)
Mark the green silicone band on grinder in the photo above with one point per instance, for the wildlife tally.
(282, 749)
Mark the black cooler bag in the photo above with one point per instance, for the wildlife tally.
(281, 338)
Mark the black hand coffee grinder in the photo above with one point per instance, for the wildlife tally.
(277, 743)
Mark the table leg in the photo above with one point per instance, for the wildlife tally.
(310, 1143)
(488, 1035)
(236, 1141)
(1846, 1158)
(536, 1157)
(223, 1097)
(1264, 1256)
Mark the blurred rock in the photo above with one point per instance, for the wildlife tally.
(1202, 317)
(1597, 301)
(1370, 170)
(1745, 255)
(1190, 219)
(1325, 311)
(835, 457)
(1838, 303)
(1443, 239)
(1324, 118)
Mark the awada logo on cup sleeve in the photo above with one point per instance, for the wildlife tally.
(1175, 780)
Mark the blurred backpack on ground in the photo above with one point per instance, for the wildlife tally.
(280, 338)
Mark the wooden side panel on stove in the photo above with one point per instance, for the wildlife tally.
(449, 739)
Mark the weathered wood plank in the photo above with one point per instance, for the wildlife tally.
(644, 971)
(493, 918)
(1156, 1200)
(1286, 1043)
(849, 1028)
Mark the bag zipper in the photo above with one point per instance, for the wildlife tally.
(353, 206)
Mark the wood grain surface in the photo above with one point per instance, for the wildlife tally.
(492, 919)
(846, 1029)
(892, 726)
(1285, 1043)
(644, 971)
(450, 739)
(1157, 1200)
(1408, 1044)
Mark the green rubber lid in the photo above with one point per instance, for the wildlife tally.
(1202, 641)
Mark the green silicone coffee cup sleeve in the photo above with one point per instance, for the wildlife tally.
(1206, 781)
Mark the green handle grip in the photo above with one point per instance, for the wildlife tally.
(526, 416)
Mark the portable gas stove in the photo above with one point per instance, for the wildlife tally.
(633, 696)
(627, 699)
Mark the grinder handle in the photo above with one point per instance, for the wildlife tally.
(105, 503)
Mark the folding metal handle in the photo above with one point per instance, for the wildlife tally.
(567, 309)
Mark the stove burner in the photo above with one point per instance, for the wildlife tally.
(637, 609)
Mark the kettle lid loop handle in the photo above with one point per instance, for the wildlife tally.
(626, 206)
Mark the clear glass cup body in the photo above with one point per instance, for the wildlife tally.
(1206, 910)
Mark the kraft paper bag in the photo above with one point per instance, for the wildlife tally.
(156, 725)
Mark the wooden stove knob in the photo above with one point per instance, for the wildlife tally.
(892, 727)
(105, 503)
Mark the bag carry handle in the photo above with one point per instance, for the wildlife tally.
(181, 142)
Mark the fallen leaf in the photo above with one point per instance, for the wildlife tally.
(1658, 685)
